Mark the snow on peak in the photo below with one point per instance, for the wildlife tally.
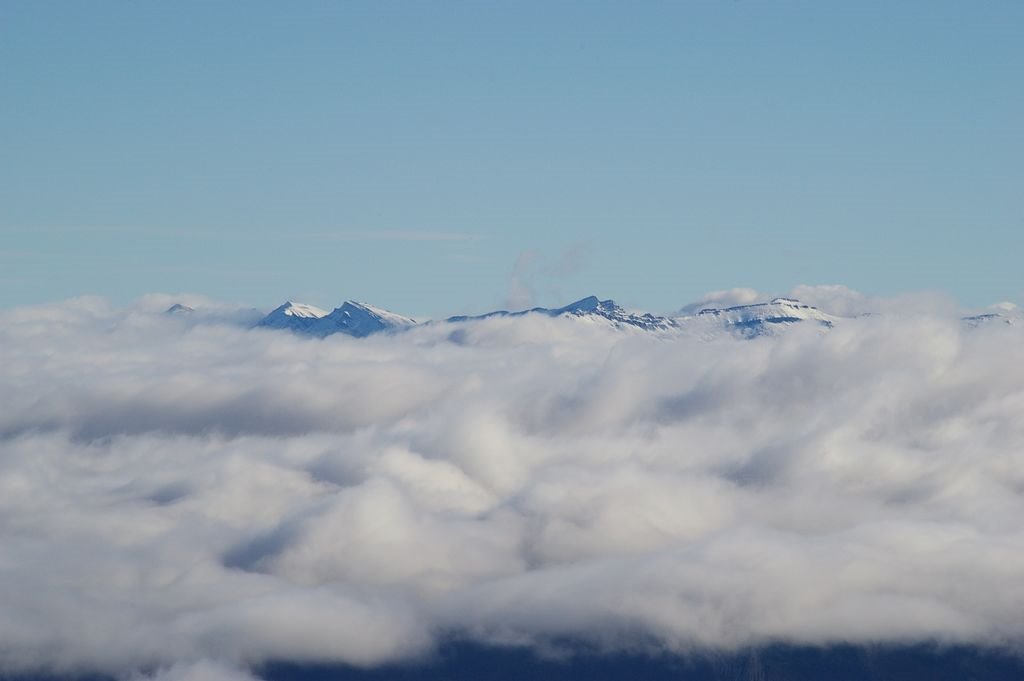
(594, 308)
(352, 318)
(759, 319)
(382, 314)
(591, 309)
(360, 319)
(293, 316)
(1000, 313)
(301, 310)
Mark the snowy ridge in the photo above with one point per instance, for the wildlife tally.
(300, 310)
(609, 310)
(761, 319)
(360, 320)
(977, 320)
(351, 318)
(590, 308)
(1001, 313)
(294, 317)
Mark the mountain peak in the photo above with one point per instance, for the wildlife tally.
(294, 316)
(351, 318)
(179, 309)
(360, 319)
(293, 309)
(588, 304)
(758, 319)
(611, 312)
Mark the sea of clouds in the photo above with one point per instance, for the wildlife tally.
(188, 498)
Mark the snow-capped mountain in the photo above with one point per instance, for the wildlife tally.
(294, 317)
(761, 319)
(590, 308)
(747, 321)
(616, 314)
(352, 318)
(1001, 313)
(360, 319)
(977, 320)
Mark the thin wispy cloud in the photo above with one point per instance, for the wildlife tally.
(259, 232)
(398, 235)
(535, 273)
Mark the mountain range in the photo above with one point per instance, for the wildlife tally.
(351, 318)
(360, 319)
(745, 321)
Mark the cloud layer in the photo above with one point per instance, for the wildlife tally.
(198, 498)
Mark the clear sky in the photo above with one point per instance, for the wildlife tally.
(410, 154)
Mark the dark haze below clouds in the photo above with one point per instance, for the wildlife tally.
(467, 662)
(192, 499)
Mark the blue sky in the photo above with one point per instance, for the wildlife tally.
(411, 154)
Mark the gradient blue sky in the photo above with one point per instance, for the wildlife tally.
(411, 153)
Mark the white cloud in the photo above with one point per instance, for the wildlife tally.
(726, 298)
(844, 302)
(198, 498)
(203, 670)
